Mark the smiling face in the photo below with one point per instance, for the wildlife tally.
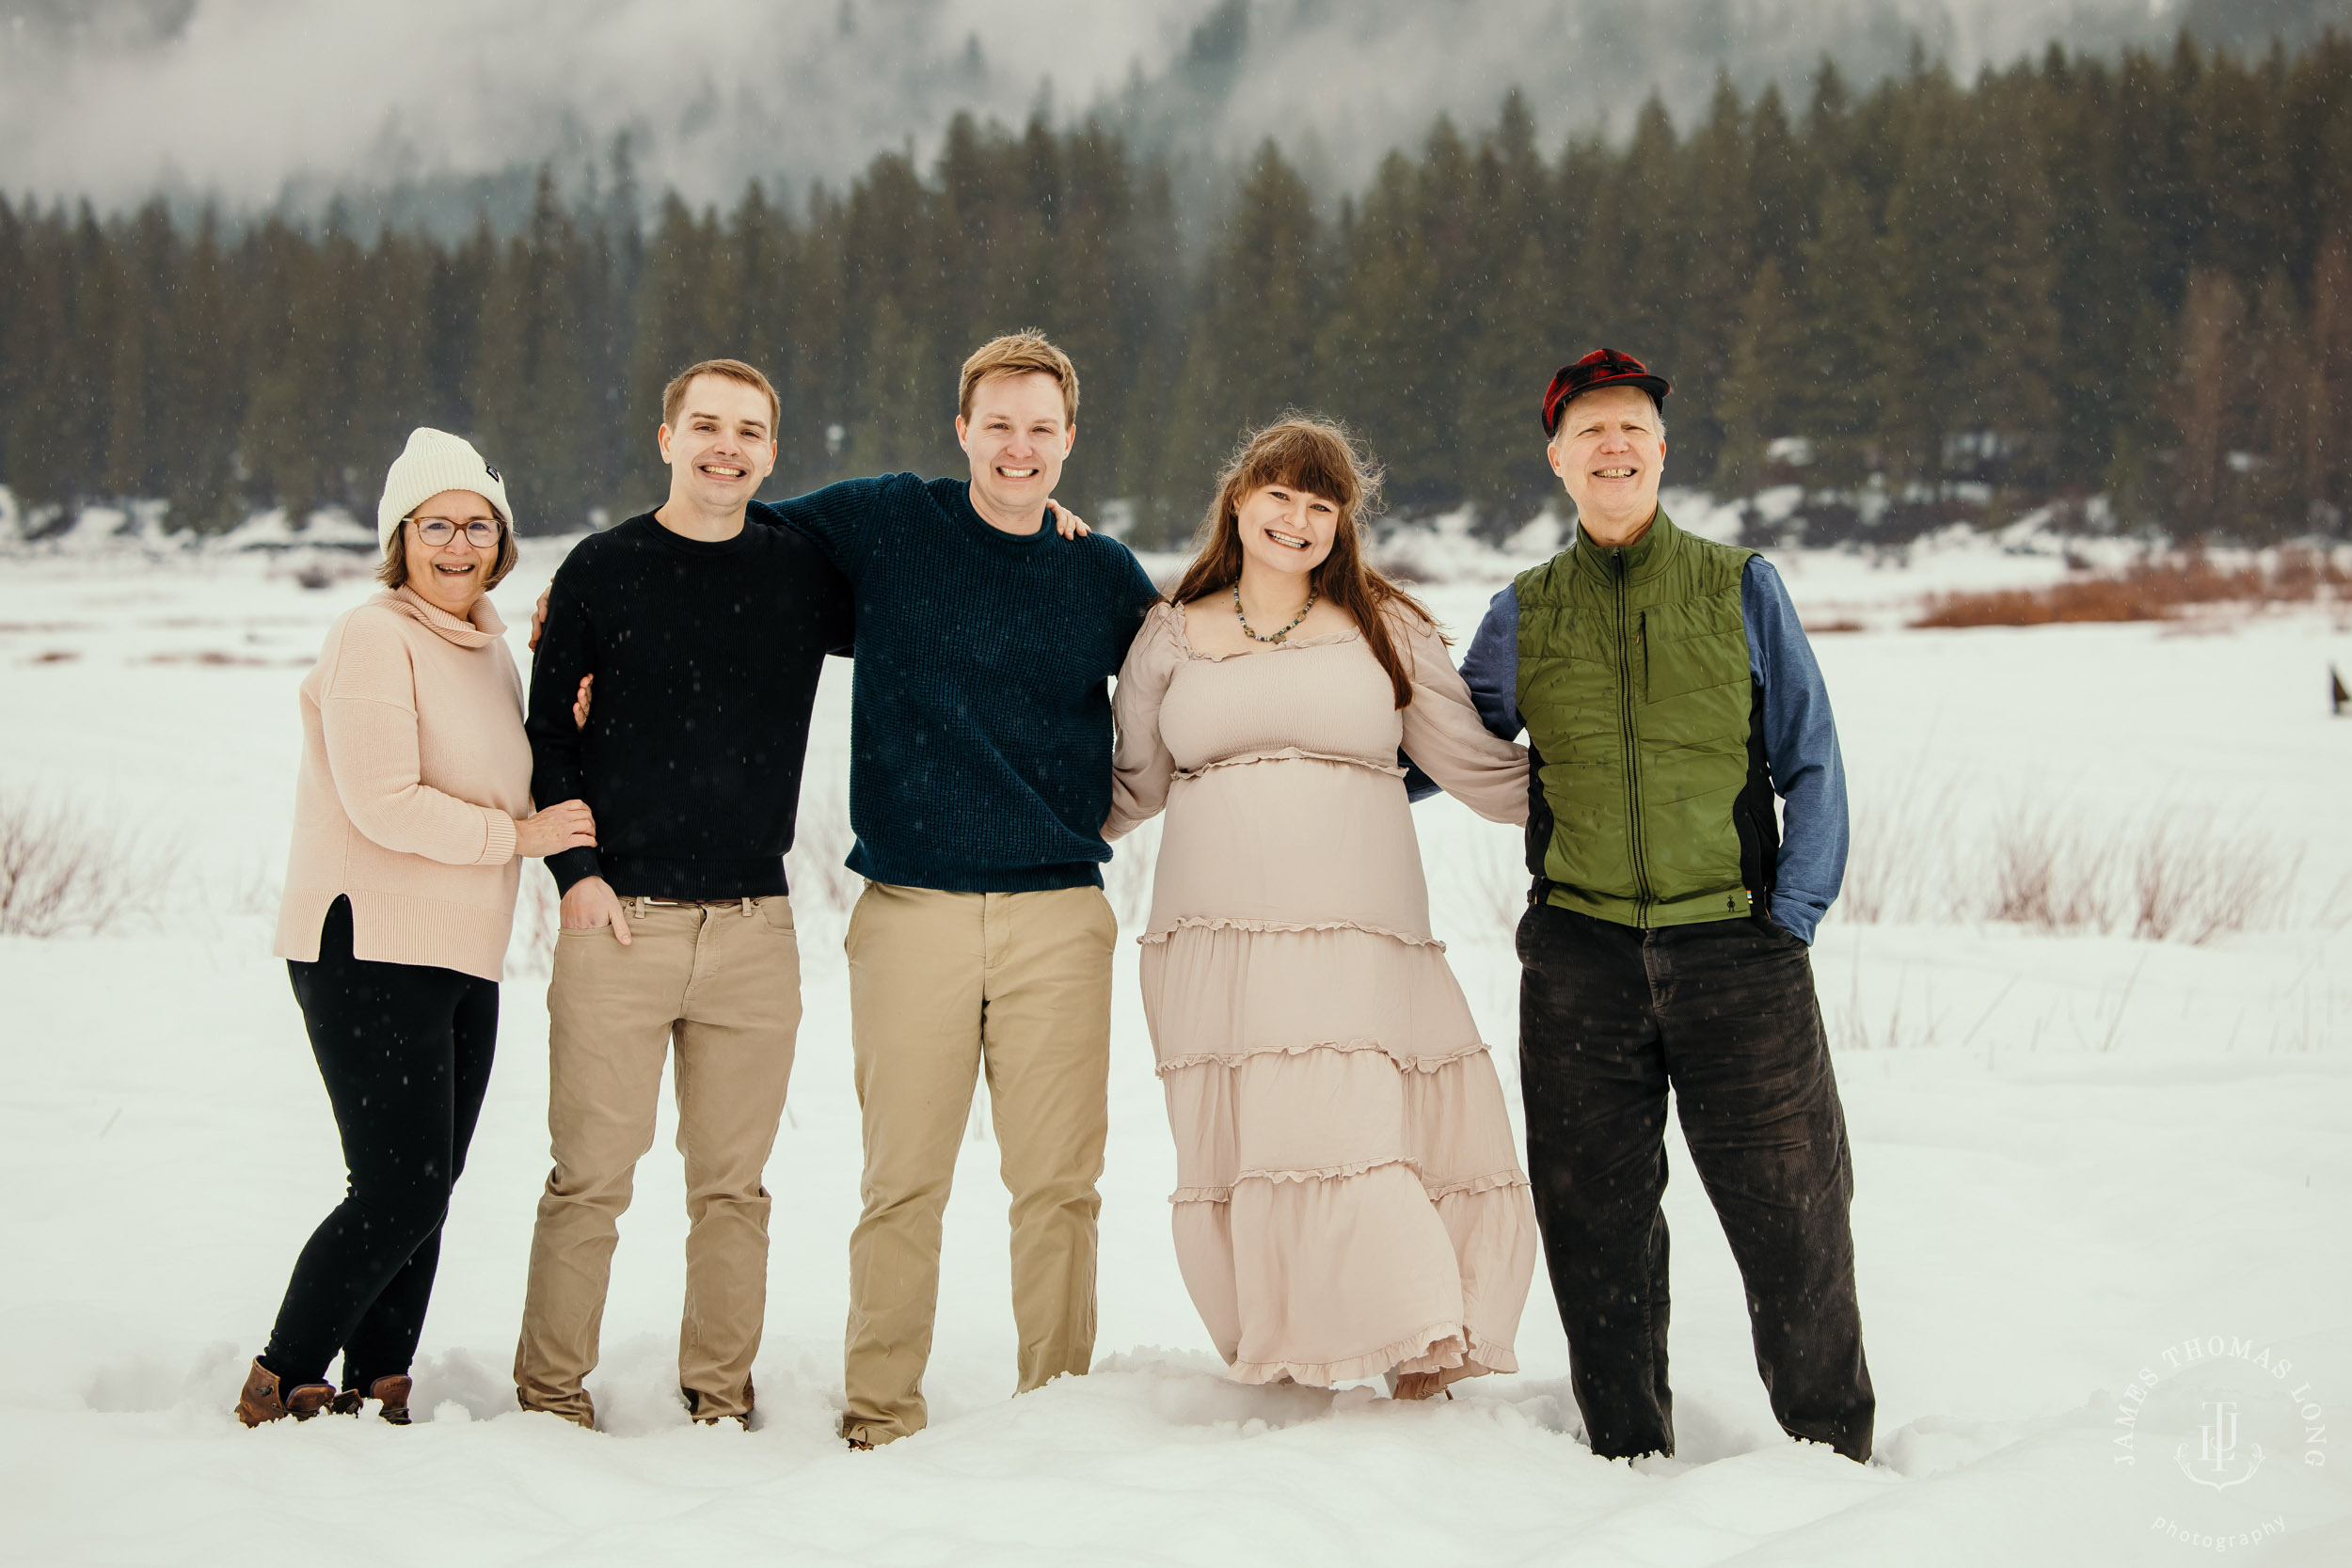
(1610, 455)
(451, 577)
(1286, 529)
(1017, 436)
(720, 446)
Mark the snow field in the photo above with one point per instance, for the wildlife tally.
(2072, 1151)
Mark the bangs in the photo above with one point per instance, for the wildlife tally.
(1302, 457)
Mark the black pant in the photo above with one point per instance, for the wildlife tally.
(406, 1052)
(1724, 1012)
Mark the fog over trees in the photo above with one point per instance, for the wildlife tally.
(431, 109)
(2126, 276)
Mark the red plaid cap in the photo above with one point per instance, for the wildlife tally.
(1603, 367)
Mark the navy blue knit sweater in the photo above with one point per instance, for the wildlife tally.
(980, 730)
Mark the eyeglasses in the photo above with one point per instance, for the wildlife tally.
(437, 531)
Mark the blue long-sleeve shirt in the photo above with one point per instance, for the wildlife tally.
(981, 718)
(1800, 735)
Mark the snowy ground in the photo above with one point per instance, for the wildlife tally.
(2074, 1153)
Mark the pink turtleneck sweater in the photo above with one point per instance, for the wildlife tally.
(414, 770)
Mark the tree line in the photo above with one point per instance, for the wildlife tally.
(2121, 288)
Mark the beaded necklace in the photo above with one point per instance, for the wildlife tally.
(1277, 636)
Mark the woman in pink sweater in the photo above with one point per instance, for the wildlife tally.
(412, 809)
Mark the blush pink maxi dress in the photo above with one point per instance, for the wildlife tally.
(1349, 1197)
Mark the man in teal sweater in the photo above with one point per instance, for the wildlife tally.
(980, 779)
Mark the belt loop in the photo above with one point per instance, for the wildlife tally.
(748, 909)
(640, 902)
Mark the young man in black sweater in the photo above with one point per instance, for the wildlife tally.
(706, 640)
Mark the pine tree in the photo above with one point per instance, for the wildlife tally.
(1833, 389)
(680, 293)
(1515, 331)
(33, 305)
(2326, 456)
(203, 383)
(93, 321)
(1253, 345)
(139, 419)
(2009, 330)
(2209, 399)
(276, 447)
(1716, 208)
(2280, 418)
(531, 387)
(1759, 398)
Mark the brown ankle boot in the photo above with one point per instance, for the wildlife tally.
(262, 1400)
(390, 1393)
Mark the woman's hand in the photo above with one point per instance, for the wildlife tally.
(539, 616)
(580, 702)
(1066, 523)
(566, 825)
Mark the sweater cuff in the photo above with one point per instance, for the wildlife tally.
(568, 866)
(499, 848)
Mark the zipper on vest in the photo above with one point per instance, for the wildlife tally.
(1626, 738)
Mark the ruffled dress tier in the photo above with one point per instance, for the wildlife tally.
(1349, 1197)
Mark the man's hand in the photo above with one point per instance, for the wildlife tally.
(1066, 523)
(566, 825)
(591, 903)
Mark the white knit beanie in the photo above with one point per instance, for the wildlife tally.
(434, 461)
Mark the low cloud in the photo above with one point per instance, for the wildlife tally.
(245, 100)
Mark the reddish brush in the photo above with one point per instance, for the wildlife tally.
(2153, 590)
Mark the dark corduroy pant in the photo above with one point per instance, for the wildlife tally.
(1724, 1013)
(406, 1052)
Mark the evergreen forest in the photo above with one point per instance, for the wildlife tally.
(2120, 287)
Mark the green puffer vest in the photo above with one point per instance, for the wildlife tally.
(1633, 682)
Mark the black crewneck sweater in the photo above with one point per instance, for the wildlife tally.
(707, 658)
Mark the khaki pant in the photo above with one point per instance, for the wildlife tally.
(721, 983)
(941, 983)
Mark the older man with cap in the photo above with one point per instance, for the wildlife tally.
(1669, 694)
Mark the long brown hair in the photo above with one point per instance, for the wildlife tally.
(1323, 459)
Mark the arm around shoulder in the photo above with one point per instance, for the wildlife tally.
(840, 519)
(1446, 736)
(1491, 666)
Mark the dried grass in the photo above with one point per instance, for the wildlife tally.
(63, 869)
(2167, 875)
(2194, 882)
(1899, 870)
(2157, 588)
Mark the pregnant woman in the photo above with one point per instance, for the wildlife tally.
(1349, 1199)
(412, 807)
